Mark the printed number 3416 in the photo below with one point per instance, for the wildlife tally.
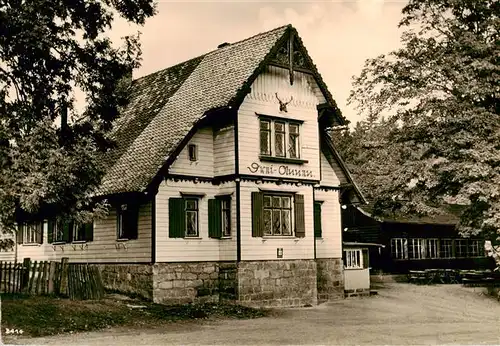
(13, 331)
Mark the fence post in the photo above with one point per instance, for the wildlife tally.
(63, 289)
(52, 274)
(25, 274)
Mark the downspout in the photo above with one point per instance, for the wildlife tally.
(238, 185)
(153, 229)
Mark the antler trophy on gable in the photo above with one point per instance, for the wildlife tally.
(283, 104)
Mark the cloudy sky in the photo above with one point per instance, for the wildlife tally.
(339, 35)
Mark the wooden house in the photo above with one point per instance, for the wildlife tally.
(224, 183)
(412, 242)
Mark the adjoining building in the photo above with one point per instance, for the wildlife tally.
(414, 243)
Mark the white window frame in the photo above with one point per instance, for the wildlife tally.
(197, 213)
(432, 248)
(30, 232)
(399, 248)
(290, 208)
(353, 259)
(417, 247)
(446, 248)
(226, 209)
(272, 134)
(462, 253)
(475, 244)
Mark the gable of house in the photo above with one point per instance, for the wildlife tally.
(216, 80)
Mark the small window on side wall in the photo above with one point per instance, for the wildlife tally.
(193, 152)
(127, 221)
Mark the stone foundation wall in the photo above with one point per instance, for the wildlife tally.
(194, 282)
(357, 292)
(277, 283)
(330, 279)
(128, 278)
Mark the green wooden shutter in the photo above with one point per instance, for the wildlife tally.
(20, 231)
(67, 230)
(257, 214)
(50, 231)
(89, 231)
(300, 224)
(366, 257)
(131, 221)
(177, 218)
(317, 220)
(214, 218)
(39, 233)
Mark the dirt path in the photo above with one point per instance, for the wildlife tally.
(400, 314)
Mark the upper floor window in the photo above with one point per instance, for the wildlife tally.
(279, 138)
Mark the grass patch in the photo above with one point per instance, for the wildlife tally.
(41, 316)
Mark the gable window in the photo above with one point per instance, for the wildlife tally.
(127, 221)
(399, 248)
(277, 214)
(193, 152)
(265, 137)
(279, 138)
(30, 233)
(184, 217)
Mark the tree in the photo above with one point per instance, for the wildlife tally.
(367, 154)
(442, 91)
(48, 150)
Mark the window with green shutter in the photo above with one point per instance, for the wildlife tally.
(273, 214)
(219, 217)
(215, 218)
(317, 220)
(184, 217)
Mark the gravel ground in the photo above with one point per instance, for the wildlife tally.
(400, 314)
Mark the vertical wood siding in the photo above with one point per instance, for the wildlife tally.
(265, 248)
(204, 166)
(202, 248)
(224, 151)
(262, 100)
(330, 244)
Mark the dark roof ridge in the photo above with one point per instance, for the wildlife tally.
(214, 50)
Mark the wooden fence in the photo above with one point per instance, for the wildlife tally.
(76, 281)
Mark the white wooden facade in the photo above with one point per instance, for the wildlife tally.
(315, 178)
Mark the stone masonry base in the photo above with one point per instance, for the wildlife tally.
(276, 283)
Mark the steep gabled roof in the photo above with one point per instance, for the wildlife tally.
(336, 160)
(166, 105)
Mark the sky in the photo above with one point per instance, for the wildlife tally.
(339, 35)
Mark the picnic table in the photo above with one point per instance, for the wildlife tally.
(433, 276)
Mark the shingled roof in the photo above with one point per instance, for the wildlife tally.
(165, 105)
